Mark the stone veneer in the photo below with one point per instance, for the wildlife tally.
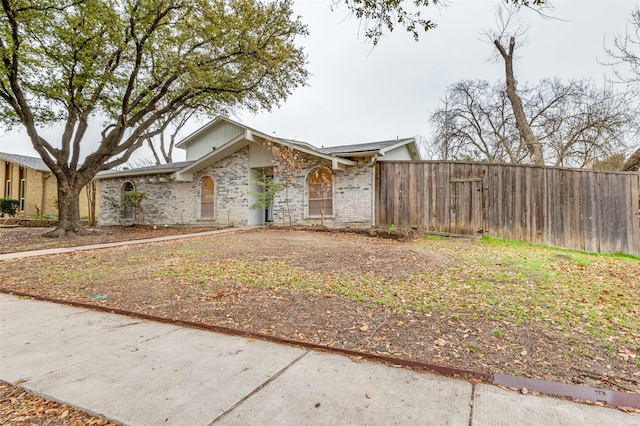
(179, 202)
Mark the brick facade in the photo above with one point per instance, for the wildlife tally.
(171, 203)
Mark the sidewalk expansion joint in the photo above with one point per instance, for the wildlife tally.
(259, 388)
(472, 403)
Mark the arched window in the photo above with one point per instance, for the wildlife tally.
(320, 185)
(207, 198)
(127, 208)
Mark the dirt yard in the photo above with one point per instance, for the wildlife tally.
(452, 302)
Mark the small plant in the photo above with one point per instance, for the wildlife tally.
(498, 333)
(270, 188)
(392, 228)
(473, 348)
(609, 346)
(132, 200)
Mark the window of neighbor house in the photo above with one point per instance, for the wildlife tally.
(22, 189)
(207, 198)
(8, 170)
(320, 185)
(127, 210)
(23, 185)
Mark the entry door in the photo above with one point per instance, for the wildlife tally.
(465, 207)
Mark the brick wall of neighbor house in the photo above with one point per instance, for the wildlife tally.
(41, 191)
(37, 184)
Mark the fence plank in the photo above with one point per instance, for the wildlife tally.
(582, 209)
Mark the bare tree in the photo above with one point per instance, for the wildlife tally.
(476, 123)
(633, 162)
(509, 29)
(625, 62)
(162, 148)
(577, 123)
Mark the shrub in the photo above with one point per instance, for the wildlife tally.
(8, 206)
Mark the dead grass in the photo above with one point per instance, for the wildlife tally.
(483, 305)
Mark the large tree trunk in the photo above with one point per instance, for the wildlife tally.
(633, 162)
(68, 210)
(522, 124)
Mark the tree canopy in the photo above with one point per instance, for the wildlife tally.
(379, 16)
(134, 65)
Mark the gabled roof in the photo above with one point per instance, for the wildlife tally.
(149, 170)
(367, 149)
(35, 163)
(338, 155)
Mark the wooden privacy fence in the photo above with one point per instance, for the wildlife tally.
(579, 209)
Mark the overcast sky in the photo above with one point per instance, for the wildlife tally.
(360, 93)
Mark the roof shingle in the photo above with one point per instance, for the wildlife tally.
(35, 163)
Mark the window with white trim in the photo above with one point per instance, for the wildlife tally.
(23, 190)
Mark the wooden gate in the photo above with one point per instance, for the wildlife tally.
(465, 206)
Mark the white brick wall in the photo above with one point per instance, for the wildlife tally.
(179, 202)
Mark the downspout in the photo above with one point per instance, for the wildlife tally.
(45, 177)
(374, 160)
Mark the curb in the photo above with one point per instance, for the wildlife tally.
(585, 394)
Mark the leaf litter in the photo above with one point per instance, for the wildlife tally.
(481, 305)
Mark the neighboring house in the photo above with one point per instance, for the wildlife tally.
(31, 182)
(224, 160)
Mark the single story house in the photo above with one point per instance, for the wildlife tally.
(31, 182)
(217, 184)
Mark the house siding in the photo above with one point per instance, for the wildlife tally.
(212, 138)
(167, 203)
(353, 193)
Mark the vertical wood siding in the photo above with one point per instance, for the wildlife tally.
(579, 209)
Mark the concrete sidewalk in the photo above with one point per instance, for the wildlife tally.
(140, 372)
